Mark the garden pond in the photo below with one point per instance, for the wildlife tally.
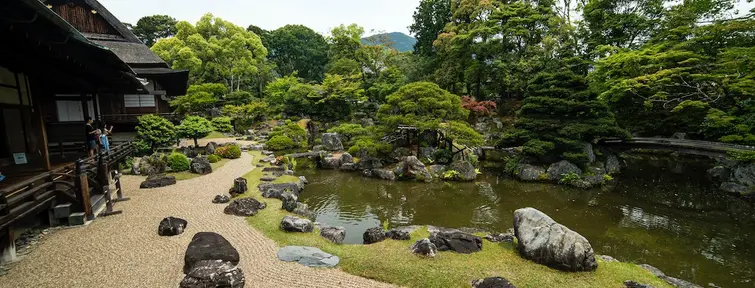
(660, 211)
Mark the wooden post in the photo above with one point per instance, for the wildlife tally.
(83, 189)
(45, 146)
(103, 173)
(108, 203)
(7, 245)
(118, 188)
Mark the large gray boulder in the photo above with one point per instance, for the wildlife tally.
(244, 207)
(528, 172)
(213, 273)
(209, 246)
(295, 224)
(330, 162)
(334, 234)
(171, 226)
(210, 148)
(557, 170)
(384, 174)
(544, 241)
(275, 190)
(587, 149)
(157, 181)
(466, 170)
(200, 165)
(613, 165)
(346, 158)
(744, 174)
(332, 142)
(412, 168)
(369, 163)
(307, 256)
(154, 164)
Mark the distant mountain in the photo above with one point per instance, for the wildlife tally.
(401, 41)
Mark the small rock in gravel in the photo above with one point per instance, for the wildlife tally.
(171, 226)
(221, 199)
(209, 246)
(213, 273)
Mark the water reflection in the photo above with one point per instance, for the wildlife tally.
(665, 214)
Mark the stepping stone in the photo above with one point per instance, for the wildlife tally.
(268, 179)
(307, 256)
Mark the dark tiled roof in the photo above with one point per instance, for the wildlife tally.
(132, 53)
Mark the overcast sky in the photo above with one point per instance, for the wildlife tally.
(320, 15)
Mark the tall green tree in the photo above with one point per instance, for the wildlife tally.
(623, 23)
(430, 17)
(297, 48)
(149, 29)
(215, 51)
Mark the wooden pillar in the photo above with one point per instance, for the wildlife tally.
(7, 245)
(82, 185)
(43, 133)
(103, 173)
(84, 106)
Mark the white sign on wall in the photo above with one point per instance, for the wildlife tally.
(19, 158)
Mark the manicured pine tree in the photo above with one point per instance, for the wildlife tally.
(559, 115)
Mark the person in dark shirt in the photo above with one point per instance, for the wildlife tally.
(91, 137)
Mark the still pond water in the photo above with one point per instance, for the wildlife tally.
(659, 211)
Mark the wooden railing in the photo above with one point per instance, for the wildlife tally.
(67, 184)
(133, 118)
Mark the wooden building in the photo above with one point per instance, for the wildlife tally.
(48, 72)
(98, 25)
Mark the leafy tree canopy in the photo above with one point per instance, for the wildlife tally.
(149, 29)
(297, 48)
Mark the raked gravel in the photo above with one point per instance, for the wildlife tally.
(125, 251)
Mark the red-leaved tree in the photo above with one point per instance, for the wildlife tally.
(478, 108)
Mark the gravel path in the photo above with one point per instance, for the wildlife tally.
(125, 250)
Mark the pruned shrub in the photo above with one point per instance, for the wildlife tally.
(178, 162)
(293, 131)
(194, 127)
(222, 124)
(214, 158)
(155, 132)
(443, 156)
(229, 152)
(369, 147)
(279, 142)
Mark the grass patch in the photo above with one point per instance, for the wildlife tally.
(185, 175)
(391, 261)
(215, 135)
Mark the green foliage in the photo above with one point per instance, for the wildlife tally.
(443, 156)
(559, 115)
(430, 18)
(292, 131)
(149, 29)
(222, 124)
(450, 175)
(214, 51)
(142, 148)
(607, 177)
(568, 178)
(229, 152)
(194, 127)
(199, 98)
(349, 131)
(297, 48)
(178, 162)
(155, 131)
(461, 133)
(425, 105)
(244, 116)
(279, 142)
(511, 165)
(214, 158)
(742, 155)
(365, 146)
(238, 98)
